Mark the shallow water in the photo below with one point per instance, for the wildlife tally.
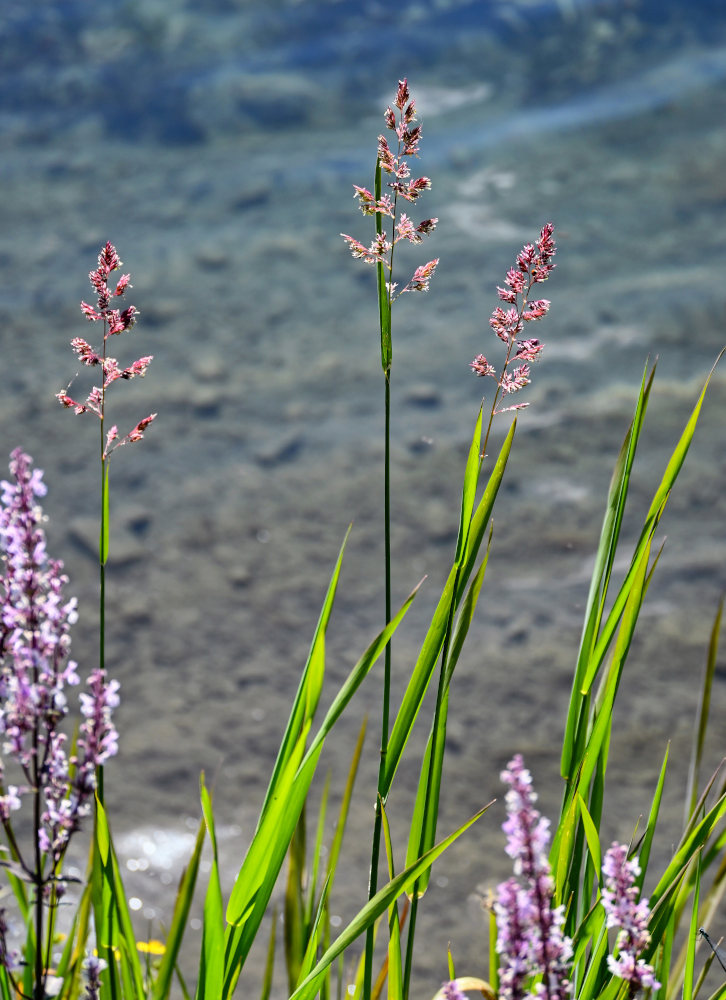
(218, 151)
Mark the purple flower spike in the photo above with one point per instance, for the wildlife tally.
(35, 670)
(629, 915)
(530, 941)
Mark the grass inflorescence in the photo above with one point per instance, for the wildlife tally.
(572, 921)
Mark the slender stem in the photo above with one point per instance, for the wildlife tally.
(385, 713)
(102, 553)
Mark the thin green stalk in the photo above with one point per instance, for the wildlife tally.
(385, 712)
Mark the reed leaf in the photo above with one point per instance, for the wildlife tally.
(211, 965)
(180, 918)
(375, 907)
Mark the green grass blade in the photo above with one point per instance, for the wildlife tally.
(645, 847)
(433, 642)
(211, 964)
(604, 558)
(384, 306)
(114, 929)
(317, 851)
(661, 898)
(303, 696)
(429, 785)
(294, 923)
(395, 965)
(704, 705)
(179, 920)
(375, 907)
(483, 512)
(270, 960)
(261, 866)
(340, 826)
(692, 935)
(471, 478)
(105, 516)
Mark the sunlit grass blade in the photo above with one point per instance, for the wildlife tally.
(294, 924)
(270, 960)
(471, 479)
(604, 559)
(375, 907)
(692, 934)
(662, 897)
(211, 962)
(310, 681)
(105, 517)
(704, 705)
(647, 843)
(395, 965)
(384, 306)
(179, 920)
(261, 867)
(433, 642)
(317, 854)
(115, 938)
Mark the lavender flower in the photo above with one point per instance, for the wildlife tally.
(529, 930)
(533, 266)
(35, 670)
(93, 966)
(629, 915)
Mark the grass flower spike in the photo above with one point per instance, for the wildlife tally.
(380, 250)
(534, 953)
(533, 266)
(115, 321)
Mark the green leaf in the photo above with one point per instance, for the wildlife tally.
(433, 642)
(692, 935)
(605, 556)
(699, 735)
(211, 962)
(180, 919)
(384, 305)
(310, 679)
(105, 515)
(261, 866)
(471, 478)
(375, 907)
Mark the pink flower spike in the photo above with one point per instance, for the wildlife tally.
(84, 351)
(89, 312)
(421, 277)
(515, 380)
(111, 436)
(138, 432)
(509, 409)
(65, 400)
(406, 230)
(427, 226)
(480, 366)
(529, 350)
(138, 368)
(403, 94)
(123, 284)
(536, 309)
(390, 117)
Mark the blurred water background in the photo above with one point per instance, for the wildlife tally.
(216, 145)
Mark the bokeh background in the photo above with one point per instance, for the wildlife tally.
(216, 145)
